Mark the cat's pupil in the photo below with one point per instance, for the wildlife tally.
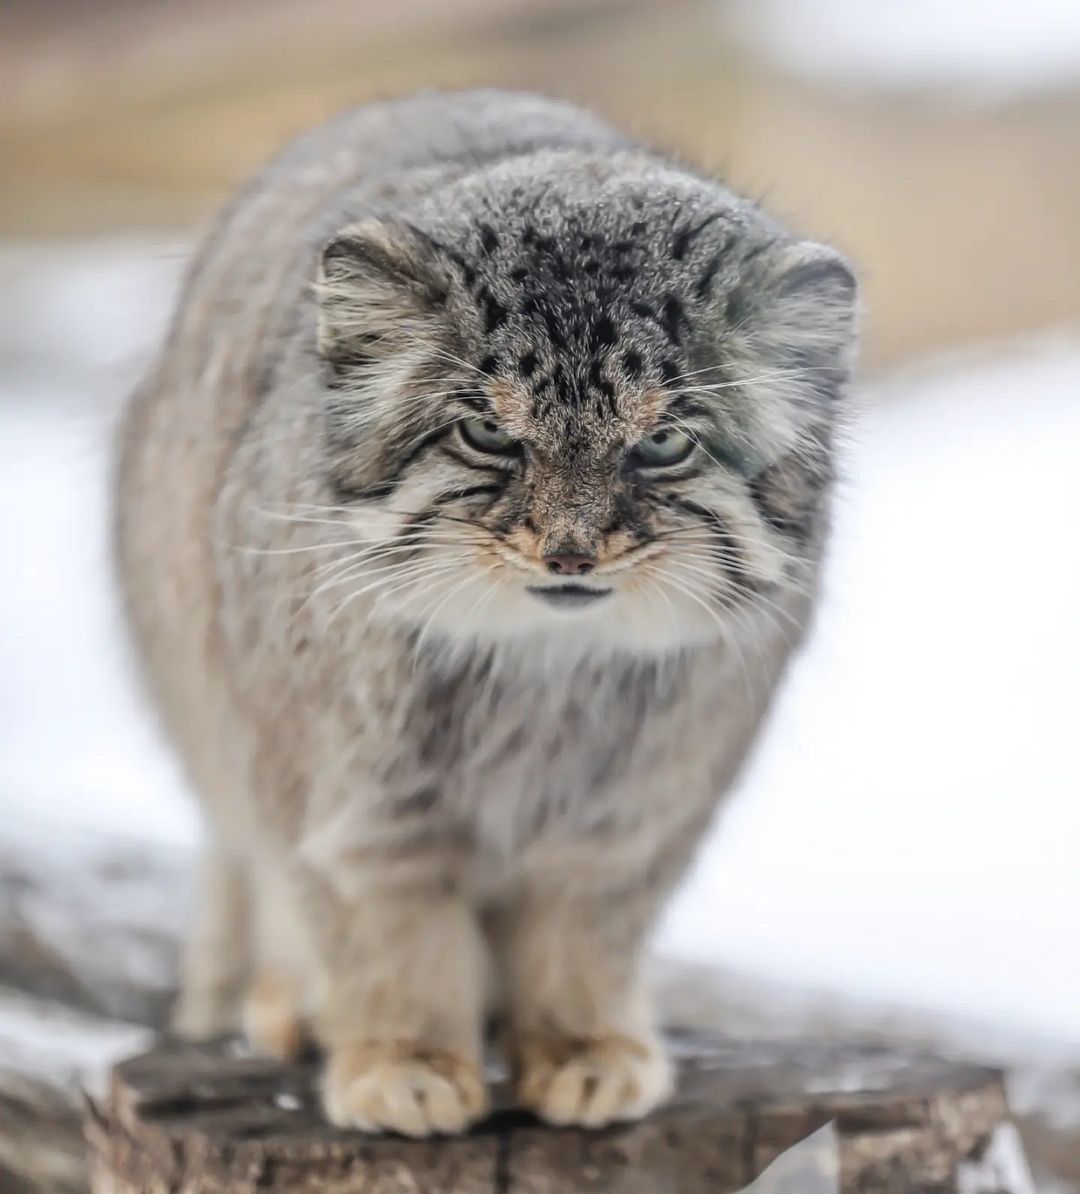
(660, 437)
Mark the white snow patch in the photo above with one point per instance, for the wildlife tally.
(68, 1050)
(76, 742)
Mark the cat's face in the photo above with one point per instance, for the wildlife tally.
(608, 423)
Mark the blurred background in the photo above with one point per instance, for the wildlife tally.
(901, 860)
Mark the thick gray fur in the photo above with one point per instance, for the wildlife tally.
(431, 791)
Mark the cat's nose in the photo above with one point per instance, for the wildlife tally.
(570, 565)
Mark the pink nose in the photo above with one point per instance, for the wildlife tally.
(567, 565)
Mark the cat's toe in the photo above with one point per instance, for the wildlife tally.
(593, 1083)
(271, 1017)
(392, 1087)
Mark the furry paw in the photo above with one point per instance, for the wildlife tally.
(402, 1087)
(271, 1017)
(593, 1082)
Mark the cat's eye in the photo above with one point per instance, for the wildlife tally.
(663, 448)
(485, 435)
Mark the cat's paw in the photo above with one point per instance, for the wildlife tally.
(400, 1087)
(271, 1016)
(591, 1083)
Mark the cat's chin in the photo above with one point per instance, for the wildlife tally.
(565, 620)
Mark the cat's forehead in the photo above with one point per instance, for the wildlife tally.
(581, 299)
(586, 326)
(579, 421)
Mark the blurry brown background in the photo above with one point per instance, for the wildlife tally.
(120, 115)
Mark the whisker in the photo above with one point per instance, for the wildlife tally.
(409, 581)
(665, 578)
(464, 583)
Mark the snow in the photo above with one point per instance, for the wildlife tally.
(906, 831)
(71, 1051)
(986, 48)
(76, 743)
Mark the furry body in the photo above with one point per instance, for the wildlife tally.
(430, 790)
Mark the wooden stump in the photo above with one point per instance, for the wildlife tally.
(208, 1118)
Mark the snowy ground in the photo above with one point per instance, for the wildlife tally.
(907, 831)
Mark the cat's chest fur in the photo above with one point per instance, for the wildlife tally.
(511, 753)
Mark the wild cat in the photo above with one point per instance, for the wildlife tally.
(466, 523)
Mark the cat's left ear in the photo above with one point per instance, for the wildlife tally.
(379, 285)
(808, 319)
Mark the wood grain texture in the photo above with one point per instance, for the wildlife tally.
(186, 1118)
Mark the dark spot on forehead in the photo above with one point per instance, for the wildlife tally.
(520, 274)
(535, 305)
(527, 364)
(687, 236)
(495, 314)
(488, 239)
(604, 333)
(599, 381)
(560, 270)
(591, 266)
(673, 318)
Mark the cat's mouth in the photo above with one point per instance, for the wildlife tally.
(568, 596)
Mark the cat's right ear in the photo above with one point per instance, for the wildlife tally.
(379, 286)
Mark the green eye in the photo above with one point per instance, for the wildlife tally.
(485, 435)
(664, 447)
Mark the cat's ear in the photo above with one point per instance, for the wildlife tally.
(808, 312)
(379, 286)
(783, 332)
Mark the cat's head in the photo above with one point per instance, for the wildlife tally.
(594, 400)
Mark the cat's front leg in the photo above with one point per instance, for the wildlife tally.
(581, 1039)
(401, 1012)
(217, 959)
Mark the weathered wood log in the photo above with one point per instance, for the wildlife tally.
(185, 1118)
